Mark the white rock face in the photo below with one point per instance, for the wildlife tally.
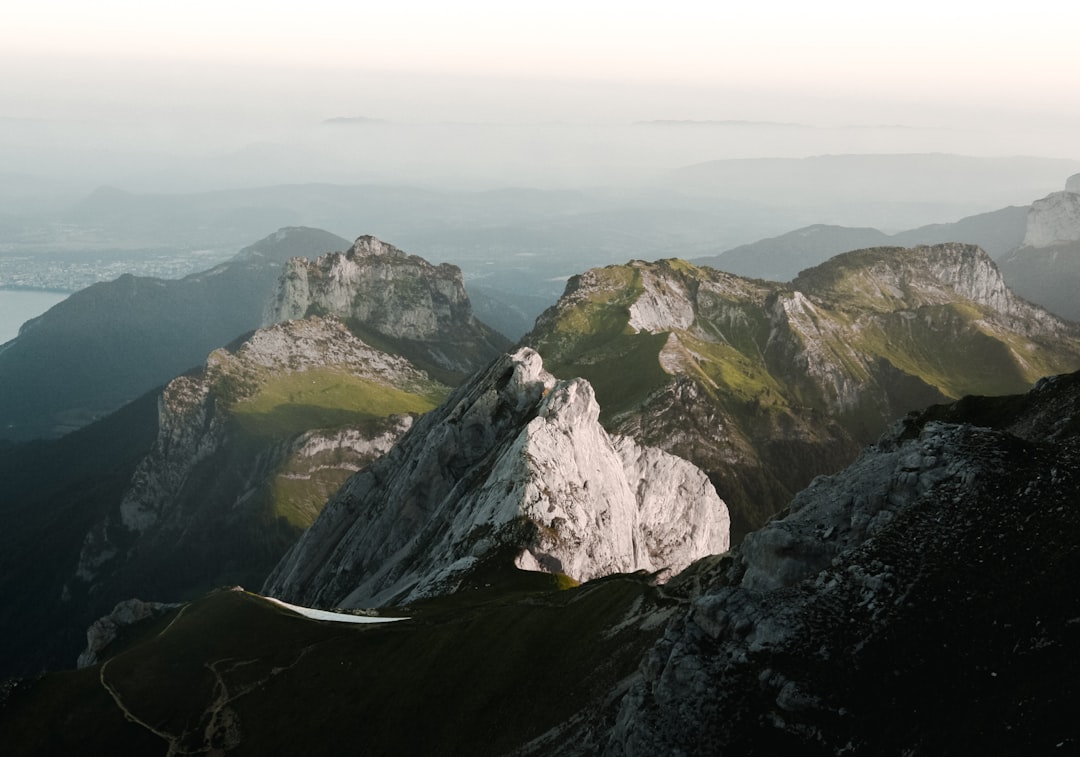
(400, 295)
(104, 630)
(1055, 219)
(662, 306)
(397, 295)
(515, 463)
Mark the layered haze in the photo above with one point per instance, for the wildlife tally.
(135, 140)
(484, 95)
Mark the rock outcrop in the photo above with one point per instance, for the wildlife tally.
(1054, 220)
(1046, 267)
(106, 629)
(396, 295)
(514, 466)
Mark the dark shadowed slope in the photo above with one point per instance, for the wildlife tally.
(108, 344)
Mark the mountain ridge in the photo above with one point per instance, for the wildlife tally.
(513, 464)
(765, 385)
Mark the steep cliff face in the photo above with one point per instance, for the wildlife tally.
(247, 451)
(912, 602)
(514, 466)
(766, 385)
(1055, 219)
(1046, 267)
(395, 295)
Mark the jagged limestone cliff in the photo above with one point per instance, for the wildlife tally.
(766, 385)
(382, 290)
(513, 467)
(1054, 220)
(1046, 267)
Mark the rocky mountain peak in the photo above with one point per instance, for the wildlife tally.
(369, 245)
(957, 527)
(513, 465)
(894, 279)
(1072, 184)
(381, 289)
(1055, 219)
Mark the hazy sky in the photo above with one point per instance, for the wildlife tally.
(978, 53)
(977, 77)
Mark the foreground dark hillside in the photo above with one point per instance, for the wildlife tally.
(53, 493)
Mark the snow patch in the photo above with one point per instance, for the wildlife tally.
(336, 617)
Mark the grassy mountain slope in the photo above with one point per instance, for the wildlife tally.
(223, 673)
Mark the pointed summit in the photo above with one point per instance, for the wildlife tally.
(513, 468)
(369, 245)
(385, 293)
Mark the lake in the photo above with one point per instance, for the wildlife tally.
(19, 306)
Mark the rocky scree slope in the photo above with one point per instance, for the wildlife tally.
(1046, 267)
(920, 601)
(112, 342)
(388, 295)
(514, 467)
(766, 385)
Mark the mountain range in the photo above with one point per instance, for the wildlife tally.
(212, 478)
(614, 538)
(781, 258)
(766, 385)
(1036, 247)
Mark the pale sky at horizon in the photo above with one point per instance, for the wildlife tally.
(934, 51)
(114, 83)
